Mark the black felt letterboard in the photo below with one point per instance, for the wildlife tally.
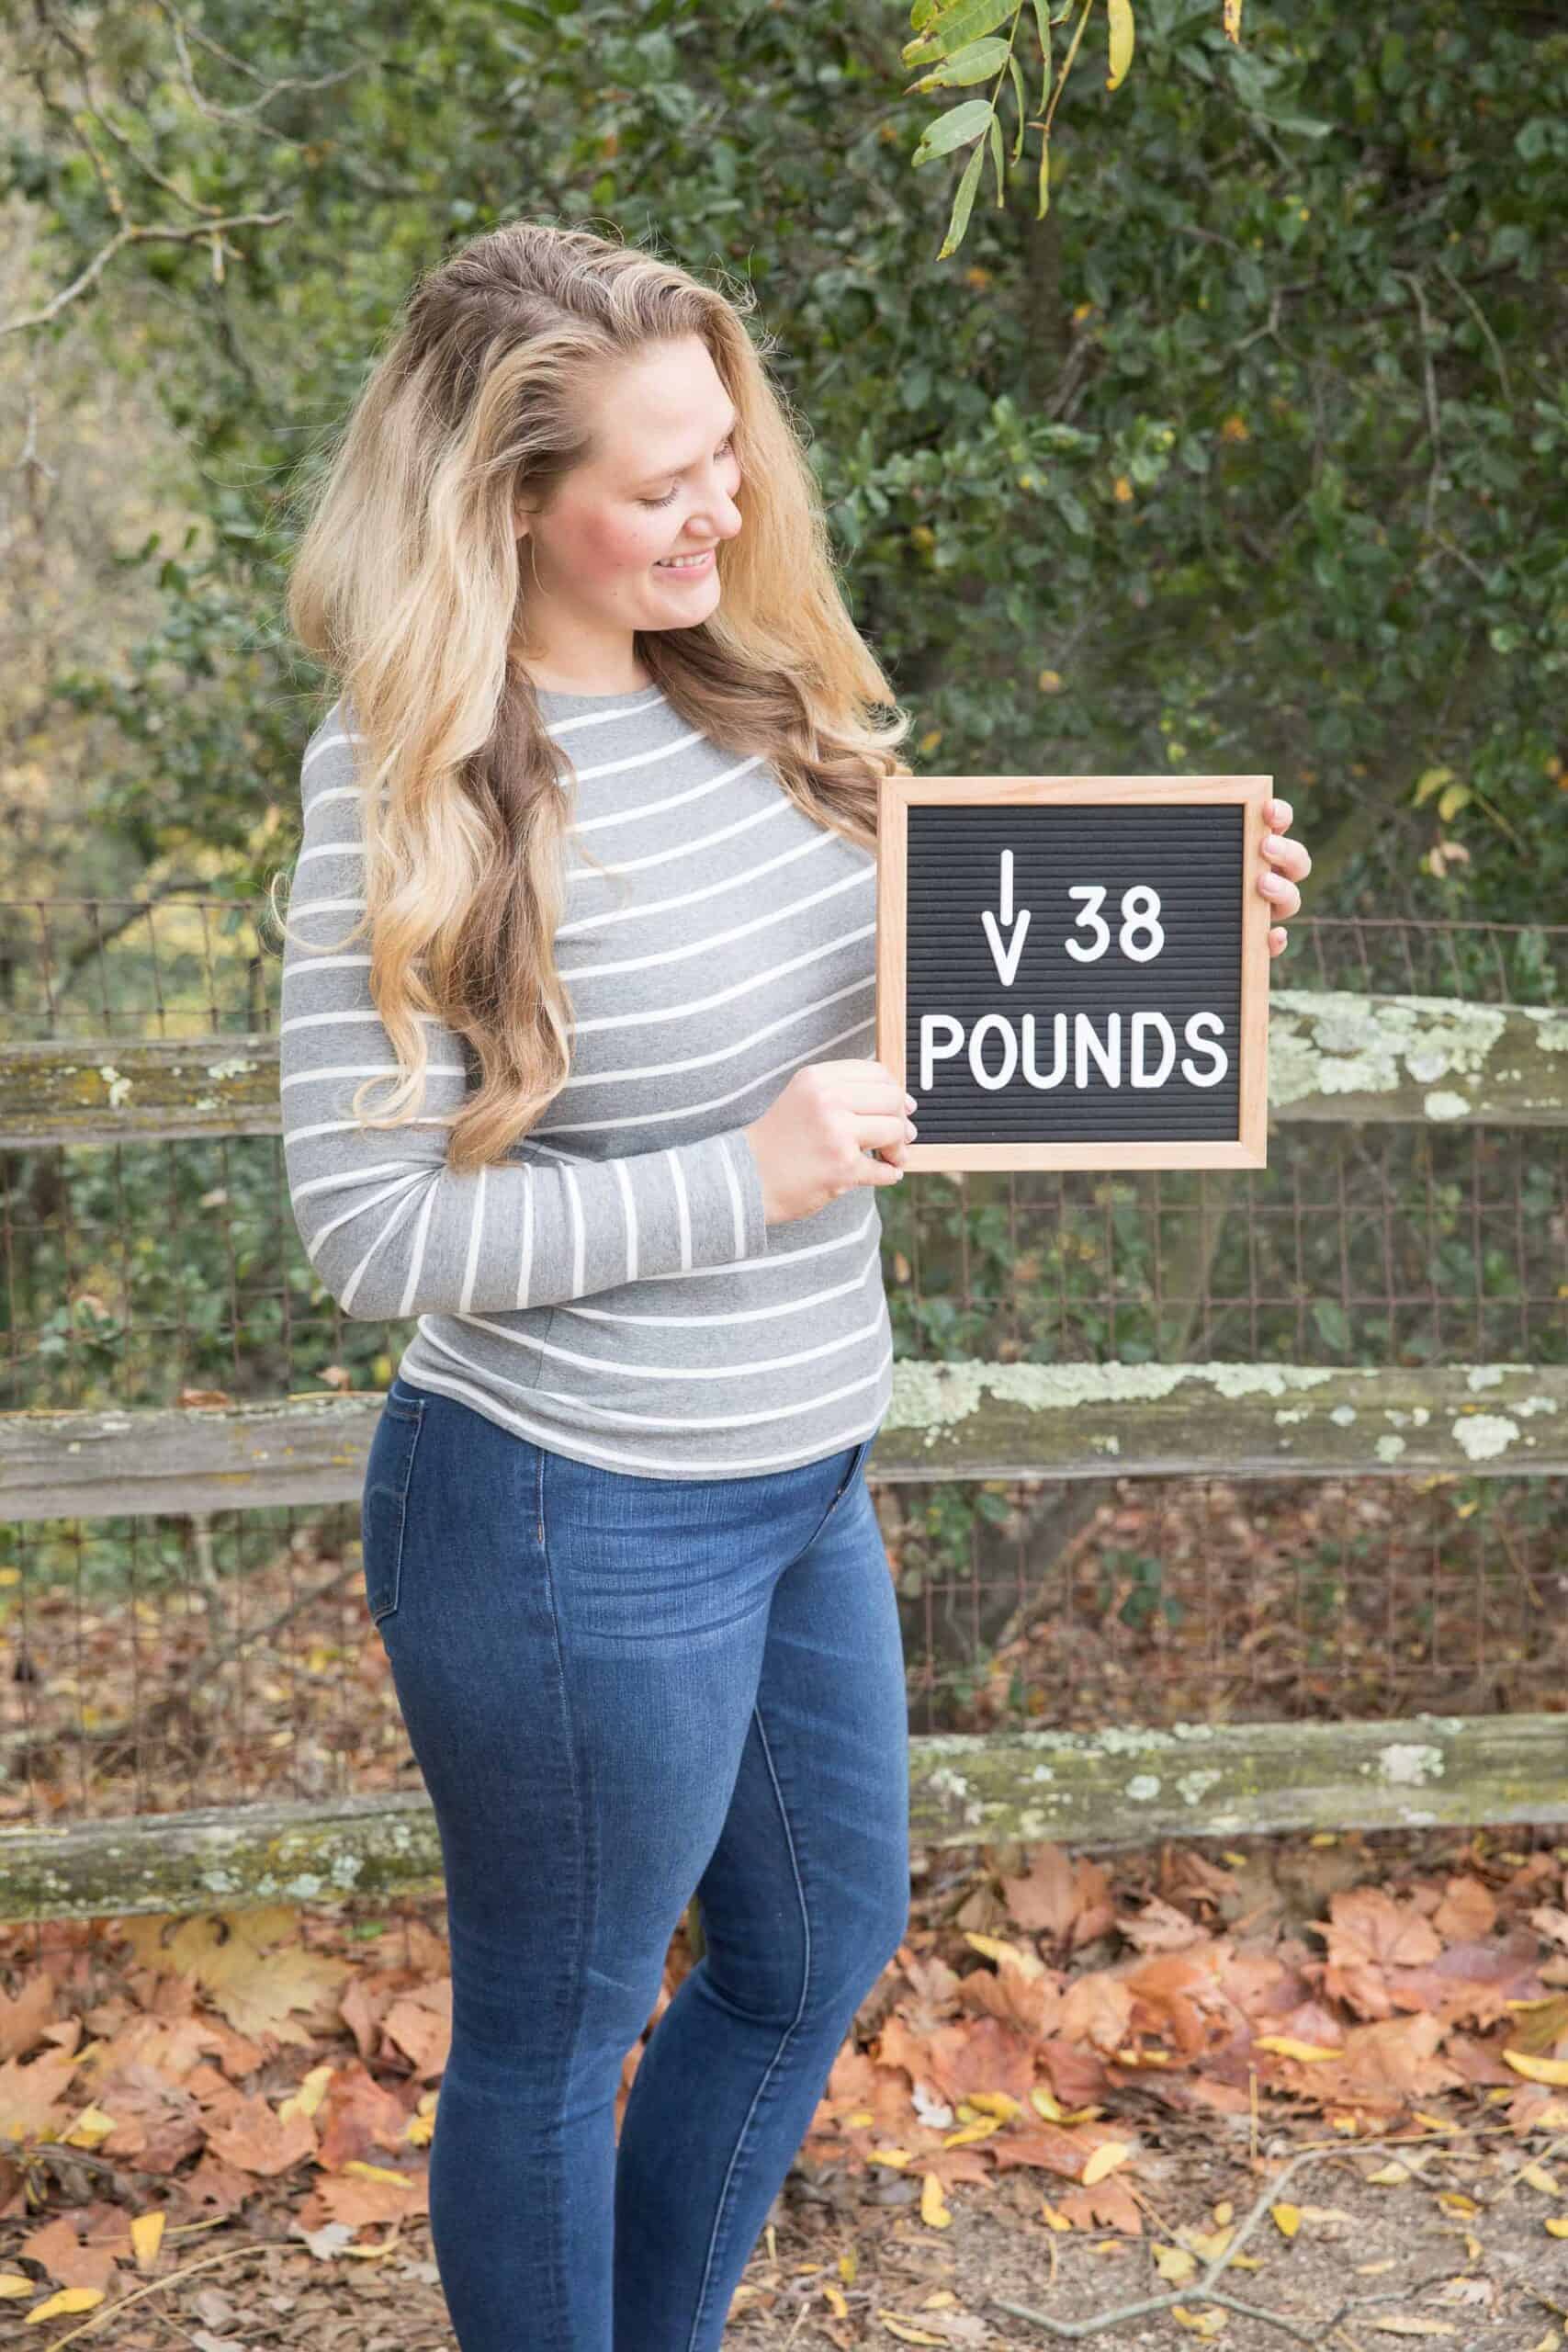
(1116, 1019)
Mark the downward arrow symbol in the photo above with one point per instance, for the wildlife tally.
(1005, 959)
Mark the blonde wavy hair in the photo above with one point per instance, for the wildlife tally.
(408, 584)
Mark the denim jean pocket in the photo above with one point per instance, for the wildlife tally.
(385, 1507)
(857, 1462)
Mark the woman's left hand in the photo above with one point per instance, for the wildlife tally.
(1285, 864)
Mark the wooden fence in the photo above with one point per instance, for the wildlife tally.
(1334, 1056)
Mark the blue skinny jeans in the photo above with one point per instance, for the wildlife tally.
(618, 1690)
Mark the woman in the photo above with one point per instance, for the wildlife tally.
(603, 1124)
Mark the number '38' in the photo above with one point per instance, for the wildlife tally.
(1142, 935)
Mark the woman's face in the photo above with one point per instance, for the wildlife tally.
(662, 482)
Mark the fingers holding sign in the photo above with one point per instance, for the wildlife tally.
(1285, 864)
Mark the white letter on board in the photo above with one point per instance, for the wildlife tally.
(1086, 1042)
(1058, 1051)
(982, 1075)
(935, 1025)
(1196, 1021)
(1140, 1077)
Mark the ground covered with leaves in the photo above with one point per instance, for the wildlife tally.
(1308, 2090)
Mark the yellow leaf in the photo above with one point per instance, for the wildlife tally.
(1120, 16)
(904, 2332)
(1207, 2245)
(1105, 2158)
(1207, 2321)
(896, 2157)
(1538, 2177)
(1041, 2099)
(307, 2097)
(1538, 2070)
(91, 2126)
(1389, 2176)
(374, 2253)
(13, 2284)
(1224, 2211)
(1049, 2214)
(1430, 780)
(1285, 2046)
(1174, 2262)
(69, 2299)
(362, 2171)
(933, 2212)
(1027, 1963)
(983, 2129)
(1557, 2225)
(999, 2103)
(1288, 2218)
(837, 2301)
(1454, 2201)
(146, 2237)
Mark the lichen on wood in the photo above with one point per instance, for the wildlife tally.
(943, 1420)
(125, 1089)
(1122, 1785)
(1334, 1054)
(1126, 1785)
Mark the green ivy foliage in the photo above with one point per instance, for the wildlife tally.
(1249, 454)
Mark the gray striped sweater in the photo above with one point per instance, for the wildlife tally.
(610, 1290)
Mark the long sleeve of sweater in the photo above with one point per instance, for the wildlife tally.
(389, 1226)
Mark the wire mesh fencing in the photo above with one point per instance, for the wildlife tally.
(155, 1663)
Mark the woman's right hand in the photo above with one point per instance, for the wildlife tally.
(813, 1141)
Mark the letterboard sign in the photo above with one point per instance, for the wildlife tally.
(1072, 971)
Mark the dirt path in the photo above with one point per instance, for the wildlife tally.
(1414, 2270)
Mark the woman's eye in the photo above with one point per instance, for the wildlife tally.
(669, 496)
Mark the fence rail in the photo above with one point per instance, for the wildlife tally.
(1332, 1056)
(954, 1420)
(1120, 1787)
